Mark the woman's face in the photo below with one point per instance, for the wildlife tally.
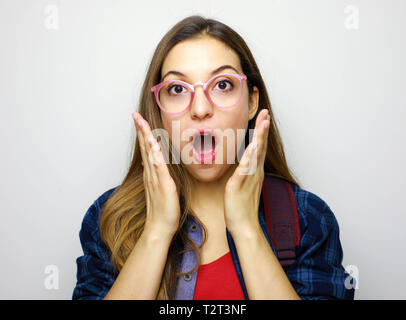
(196, 59)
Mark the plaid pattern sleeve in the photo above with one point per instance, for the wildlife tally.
(318, 272)
(95, 273)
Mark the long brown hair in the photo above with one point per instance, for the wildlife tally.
(124, 213)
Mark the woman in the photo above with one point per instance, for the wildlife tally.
(202, 82)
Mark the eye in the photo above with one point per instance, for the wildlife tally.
(178, 89)
(224, 85)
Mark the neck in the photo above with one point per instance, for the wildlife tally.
(208, 197)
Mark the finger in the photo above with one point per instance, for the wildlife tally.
(261, 134)
(248, 163)
(159, 163)
(154, 150)
(155, 160)
(262, 116)
(252, 156)
(143, 146)
(149, 142)
(265, 139)
(159, 167)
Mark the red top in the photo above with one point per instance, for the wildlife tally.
(218, 280)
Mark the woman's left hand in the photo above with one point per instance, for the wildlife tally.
(243, 189)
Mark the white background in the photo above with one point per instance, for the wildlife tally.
(67, 94)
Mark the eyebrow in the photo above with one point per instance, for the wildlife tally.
(221, 68)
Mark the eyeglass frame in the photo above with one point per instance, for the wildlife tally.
(155, 89)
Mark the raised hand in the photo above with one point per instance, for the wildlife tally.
(163, 210)
(243, 189)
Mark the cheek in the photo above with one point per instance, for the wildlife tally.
(239, 120)
(173, 128)
(166, 126)
(241, 117)
(242, 111)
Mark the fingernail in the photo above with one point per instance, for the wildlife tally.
(137, 120)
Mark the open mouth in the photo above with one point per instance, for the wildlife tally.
(204, 147)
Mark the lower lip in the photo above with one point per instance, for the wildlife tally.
(205, 158)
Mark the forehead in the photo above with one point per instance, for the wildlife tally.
(197, 58)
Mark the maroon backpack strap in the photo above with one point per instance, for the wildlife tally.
(281, 218)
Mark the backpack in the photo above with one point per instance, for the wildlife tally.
(281, 218)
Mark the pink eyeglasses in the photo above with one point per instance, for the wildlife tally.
(223, 90)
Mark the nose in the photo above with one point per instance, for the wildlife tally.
(201, 106)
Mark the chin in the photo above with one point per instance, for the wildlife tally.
(207, 172)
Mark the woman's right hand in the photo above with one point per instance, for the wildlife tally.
(161, 195)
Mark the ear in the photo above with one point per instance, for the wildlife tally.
(253, 103)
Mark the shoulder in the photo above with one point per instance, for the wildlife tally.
(319, 230)
(102, 199)
(91, 220)
(313, 211)
(89, 233)
(319, 246)
(95, 210)
(95, 271)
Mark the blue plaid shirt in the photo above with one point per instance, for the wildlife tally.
(317, 272)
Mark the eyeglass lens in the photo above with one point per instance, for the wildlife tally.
(224, 91)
